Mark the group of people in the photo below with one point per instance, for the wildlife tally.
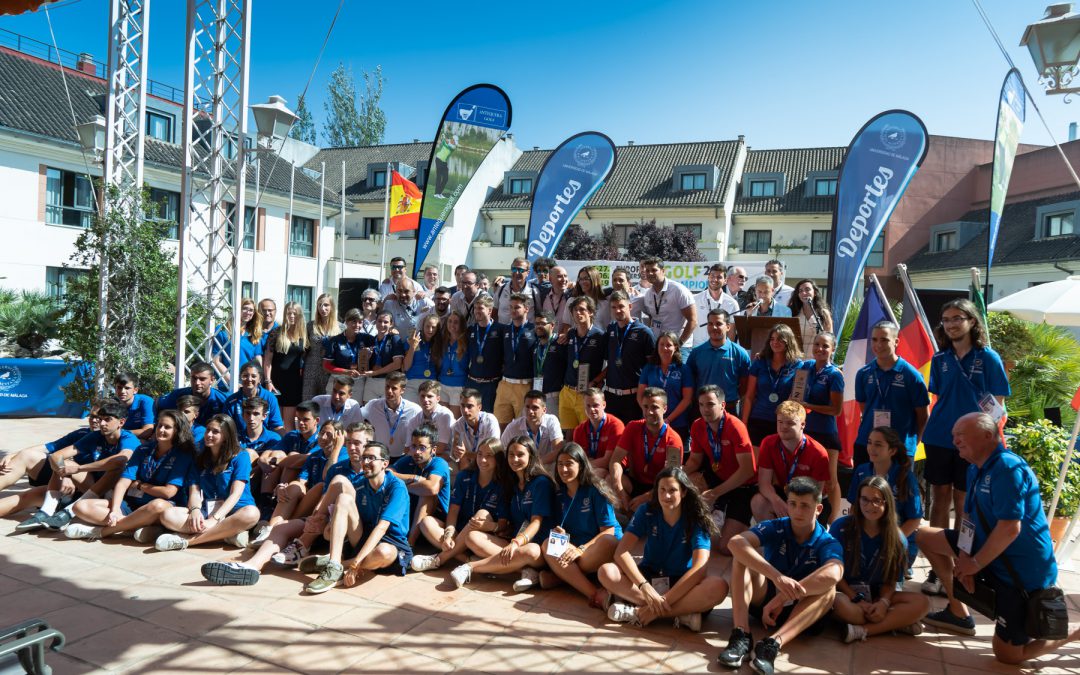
(601, 439)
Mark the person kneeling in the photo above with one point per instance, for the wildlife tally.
(875, 557)
(790, 583)
(671, 580)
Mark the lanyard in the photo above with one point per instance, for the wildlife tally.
(475, 441)
(539, 434)
(150, 466)
(515, 336)
(400, 412)
(664, 376)
(335, 415)
(578, 343)
(658, 300)
(540, 361)
(969, 374)
(480, 343)
(353, 347)
(882, 393)
(775, 381)
(795, 463)
(570, 506)
(594, 437)
(714, 442)
(557, 309)
(380, 345)
(621, 338)
(645, 436)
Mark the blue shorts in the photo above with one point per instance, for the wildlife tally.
(404, 554)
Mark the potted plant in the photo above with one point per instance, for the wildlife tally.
(1043, 445)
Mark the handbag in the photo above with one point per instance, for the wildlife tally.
(1047, 616)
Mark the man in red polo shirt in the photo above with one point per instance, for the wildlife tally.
(720, 450)
(784, 455)
(599, 433)
(646, 447)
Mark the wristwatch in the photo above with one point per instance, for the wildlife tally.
(859, 597)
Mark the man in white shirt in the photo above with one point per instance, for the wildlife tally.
(519, 275)
(339, 404)
(390, 415)
(438, 416)
(669, 306)
(781, 291)
(397, 275)
(713, 297)
(470, 429)
(537, 424)
(556, 299)
(430, 283)
(406, 308)
(463, 300)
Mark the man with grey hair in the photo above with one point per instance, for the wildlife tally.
(406, 308)
(736, 279)
(776, 271)
(462, 301)
(765, 303)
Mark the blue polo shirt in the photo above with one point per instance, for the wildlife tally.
(471, 497)
(267, 440)
(820, 386)
(344, 468)
(294, 441)
(216, 486)
(723, 366)
(677, 377)
(67, 439)
(959, 384)
(486, 342)
(669, 551)
(550, 359)
(93, 447)
(234, 408)
(871, 567)
(248, 350)
(585, 514)
(453, 370)
(791, 558)
(519, 344)
(1004, 488)
(140, 412)
(390, 503)
(536, 499)
(172, 469)
(421, 368)
(344, 354)
(633, 345)
(769, 382)
(438, 467)
(384, 350)
(900, 390)
(585, 350)
(312, 471)
(213, 404)
(908, 506)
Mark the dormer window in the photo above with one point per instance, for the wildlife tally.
(159, 126)
(378, 178)
(1057, 224)
(824, 187)
(521, 186)
(519, 182)
(693, 181)
(762, 188)
(945, 241)
(1057, 220)
(688, 177)
(763, 184)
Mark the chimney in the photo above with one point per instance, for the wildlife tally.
(629, 142)
(416, 140)
(742, 138)
(86, 64)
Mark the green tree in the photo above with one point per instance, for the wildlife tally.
(304, 128)
(348, 121)
(650, 239)
(577, 244)
(141, 329)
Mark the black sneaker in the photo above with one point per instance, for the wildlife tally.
(738, 648)
(230, 574)
(946, 620)
(59, 520)
(33, 522)
(764, 654)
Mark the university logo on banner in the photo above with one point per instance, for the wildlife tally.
(1010, 123)
(572, 173)
(878, 166)
(469, 128)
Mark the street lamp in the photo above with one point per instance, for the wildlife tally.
(1054, 43)
(272, 119)
(92, 136)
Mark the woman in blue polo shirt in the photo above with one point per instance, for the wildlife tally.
(772, 375)
(667, 371)
(671, 580)
(530, 510)
(250, 345)
(152, 482)
(451, 356)
(419, 364)
(341, 353)
(220, 505)
(587, 532)
(889, 460)
(875, 557)
(824, 399)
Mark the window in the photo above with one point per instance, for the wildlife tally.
(692, 181)
(513, 235)
(300, 295)
(819, 241)
(249, 289)
(159, 126)
(520, 186)
(877, 252)
(692, 228)
(164, 207)
(58, 278)
(302, 237)
(371, 228)
(762, 188)
(378, 178)
(622, 235)
(757, 241)
(1057, 224)
(945, 241)
(69, 198)
(824, 187)
(249, 226)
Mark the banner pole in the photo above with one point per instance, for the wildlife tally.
(341, 260)
(385, 220)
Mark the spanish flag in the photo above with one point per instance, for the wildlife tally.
(404, 204)
(916, 343)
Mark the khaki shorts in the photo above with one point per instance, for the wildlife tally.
(571, 408)
(509, 401)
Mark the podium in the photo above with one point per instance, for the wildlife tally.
(752, 332)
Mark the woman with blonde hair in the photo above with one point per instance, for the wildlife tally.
(221, 350)
(324, 324)
(283, 361)
(449, 353)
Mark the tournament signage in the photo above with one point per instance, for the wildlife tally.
(470, 127)
(879, 164)
(1010, 123)
(693, 275)
(572, 173)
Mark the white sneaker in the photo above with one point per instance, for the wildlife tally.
(529, 578)
(424, 563)
(170, 542)
(911, 629)
(291, 555)
(82, 531)
(148, 534)
(262, 533)
(932, 585)
(620, 612)
(691, 622)
(461, 575)
(854, 633)
(239, 540)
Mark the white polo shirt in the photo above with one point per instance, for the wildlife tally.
(441, 418)
(549, 433)
(783, 294)
(349, 413)
(502, 301)
(487, 427)
(383, 420)
(705, 304)
(664, 307)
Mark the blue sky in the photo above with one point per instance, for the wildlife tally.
(785, 74)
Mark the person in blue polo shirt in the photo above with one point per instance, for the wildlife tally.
(720, 361)
(628, 345)
(374, 523)
(33, 461)
(668, 372)
(387, 355)
(890, 461)
(785, 570)
(823, 398)
(286, 456)
(671, 581)
(549, 360)
(486, 353)
(258, 442)
(519, 344)
(1003, 520)
(251, 375)
(201, 378)
(772, 376)
(890, 392)
(341, 353)
(584, 350)
(427, 477)
(140, 419)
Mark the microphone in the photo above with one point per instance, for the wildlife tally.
(817, 318)
(749, 308)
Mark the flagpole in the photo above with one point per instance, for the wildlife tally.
(901, 270)
(341, 259)
(320, 268)
(884, 298)
(386, 219)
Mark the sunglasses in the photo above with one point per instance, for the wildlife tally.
(397, 267)
(519, 270)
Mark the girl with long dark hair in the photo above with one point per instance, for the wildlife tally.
(811, 310)
(890, 461)
(772, 376)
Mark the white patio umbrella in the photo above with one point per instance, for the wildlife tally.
(1058, 304)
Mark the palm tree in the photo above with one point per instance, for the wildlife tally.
(1046, 376)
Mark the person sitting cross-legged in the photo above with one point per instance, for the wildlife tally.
(785, 571)
(428, 479)
(33, 461)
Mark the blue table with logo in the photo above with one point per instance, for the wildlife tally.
(33, 388)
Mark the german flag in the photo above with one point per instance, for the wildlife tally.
(404, 204)
(915, 342)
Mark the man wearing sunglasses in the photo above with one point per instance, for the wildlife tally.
(736, 279)
(519, 275)
(397, 274)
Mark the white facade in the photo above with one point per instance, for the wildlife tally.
(791, 243)
(1005, 279)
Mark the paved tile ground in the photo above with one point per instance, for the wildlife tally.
(126, 608)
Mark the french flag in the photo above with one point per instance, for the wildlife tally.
(875, 307)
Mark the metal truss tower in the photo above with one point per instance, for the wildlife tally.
(212, 194)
